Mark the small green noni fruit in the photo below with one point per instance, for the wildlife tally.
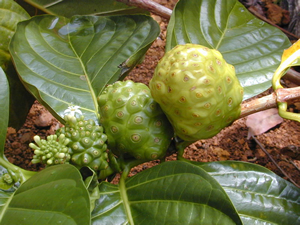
(87, 142)
(198, 91)
(134, 123)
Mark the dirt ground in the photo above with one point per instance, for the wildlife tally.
(281, 142)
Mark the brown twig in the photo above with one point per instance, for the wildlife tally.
(150, 6)
(287, 94)
(271, 158)
(269, 101)
(291, 161)
(258, 105)
(293, 76)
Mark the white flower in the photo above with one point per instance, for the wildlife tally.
(72, 110)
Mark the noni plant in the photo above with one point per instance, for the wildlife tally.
(76, 65)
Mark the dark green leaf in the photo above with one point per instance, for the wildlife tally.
(65, 63)
(170, 193)
(259, 195)
(20, 100)
(10, 14)
(56, 195)
(70, 8)
(109, 208)
(4, 109)
(251, 45)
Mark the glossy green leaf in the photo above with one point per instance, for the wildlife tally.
(259, 195)
(66, 62)
(56, 195)
(251, 45)
(5, 197)
(10, 14)
(171, 193)
(4, 109)
(70, 8)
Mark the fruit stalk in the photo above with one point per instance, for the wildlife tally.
(269, 101)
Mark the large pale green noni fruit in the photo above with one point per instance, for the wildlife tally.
(134, 123)
(198, 91)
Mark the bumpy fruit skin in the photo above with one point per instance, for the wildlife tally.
(197, 90)
(134, 123)
(87, 142)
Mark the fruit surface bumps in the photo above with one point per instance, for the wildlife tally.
(87, 142)
(198, 91)
(134, 123)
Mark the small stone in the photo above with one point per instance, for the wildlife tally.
(15, 145)
(27, 137)
(44, 120)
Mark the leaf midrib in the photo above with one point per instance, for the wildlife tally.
(94, 98)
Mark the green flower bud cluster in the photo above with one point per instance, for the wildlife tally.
(87, 142)
(134, 123)
(52, 151)
(7, 178)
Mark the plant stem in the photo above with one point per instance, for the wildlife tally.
(150, 6)
(270, 101)
(258, 104)
(21, 173)
(288, 94)
(103, 174)
(180, 146)
(293, 76)
(124, 196)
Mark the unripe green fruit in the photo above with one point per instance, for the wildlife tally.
(197, 90)
(134, 123)
(87, 141)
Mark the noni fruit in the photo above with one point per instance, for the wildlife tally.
(87, 142)
(198, 91)
(134, 123)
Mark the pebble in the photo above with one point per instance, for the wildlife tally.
(44, 119)
(27, 137)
